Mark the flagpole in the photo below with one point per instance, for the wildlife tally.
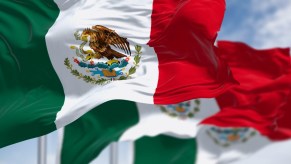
(41, 158)
(114, 153)
(131, 151)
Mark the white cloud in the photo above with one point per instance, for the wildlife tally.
(274, 29)
(270, 22)
(266, 5)
(262, 24)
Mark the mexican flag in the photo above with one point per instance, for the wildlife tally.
(227, 146)
(247, 119)
(204, 149)
(61, 59)
(159, 137)
(84, 139)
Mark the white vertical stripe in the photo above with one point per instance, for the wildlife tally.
(130, 19)
(152, 122)
(211, 153)
(274, 153)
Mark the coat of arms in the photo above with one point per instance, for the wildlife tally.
(182, 110)
(226, 137)
(103, 55)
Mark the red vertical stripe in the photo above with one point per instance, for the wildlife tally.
(262, 101)
(182, 35)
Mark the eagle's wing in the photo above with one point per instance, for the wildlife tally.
(112, 38)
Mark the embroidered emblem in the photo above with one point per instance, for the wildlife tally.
(182, 110)
(103, 56)
(226, 137)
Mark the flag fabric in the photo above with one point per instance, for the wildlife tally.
(61, 59)
(165, 149)
(267, 155)
(262, 100)
(243, 125)
(85, 138)
(157, 135)
(118, 50)
(229, 144)
(30, 91)
(257, 110)
(212, 145)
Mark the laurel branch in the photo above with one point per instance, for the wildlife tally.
(103, 81)
(228, 143)
(190, 114)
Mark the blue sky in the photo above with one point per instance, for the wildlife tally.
(262, 24)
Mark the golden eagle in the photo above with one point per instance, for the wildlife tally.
(100, 38)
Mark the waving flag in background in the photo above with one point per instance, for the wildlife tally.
(127, 121)
(165, 149)
(61, 60)
(234, 133)
(262, 101)
(254, 114)
(229, 146)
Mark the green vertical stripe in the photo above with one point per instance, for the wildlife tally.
(165, 150)
(85, 138)
(30, 91)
